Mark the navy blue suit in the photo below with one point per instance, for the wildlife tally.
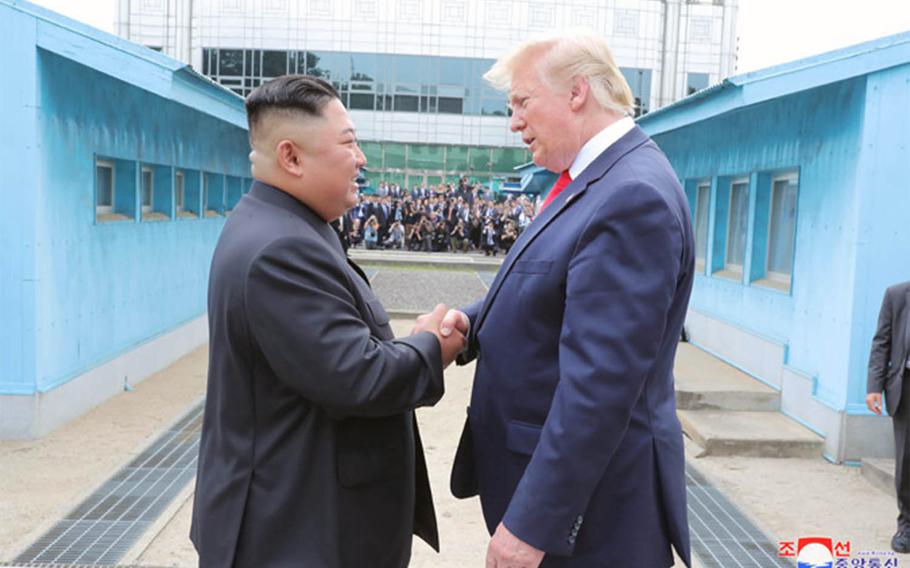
(572, 438)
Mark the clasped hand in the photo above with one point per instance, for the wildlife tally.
(449, 326)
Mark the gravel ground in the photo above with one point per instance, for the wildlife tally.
(420, 290)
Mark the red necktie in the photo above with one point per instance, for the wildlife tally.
(560, 185)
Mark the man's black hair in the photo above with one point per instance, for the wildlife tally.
(303, 93)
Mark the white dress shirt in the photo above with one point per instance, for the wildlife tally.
(600, 142)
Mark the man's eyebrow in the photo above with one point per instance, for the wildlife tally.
(349, 131)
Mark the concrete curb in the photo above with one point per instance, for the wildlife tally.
(425, 260)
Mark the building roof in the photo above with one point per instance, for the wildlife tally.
(132, 63)
(780, 80)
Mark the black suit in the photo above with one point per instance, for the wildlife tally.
(310, 454)
(888, 374)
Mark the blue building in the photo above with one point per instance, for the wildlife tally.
(117, 168)
(797, 178)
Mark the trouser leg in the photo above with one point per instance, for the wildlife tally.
(901, 420)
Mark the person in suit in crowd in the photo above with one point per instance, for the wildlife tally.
(889, 374)
(371, 234)
(489, 238)
(460, 240)
(310, 453)
(395, 239)
(572, 440)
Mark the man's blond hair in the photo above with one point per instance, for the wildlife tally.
(568, 54)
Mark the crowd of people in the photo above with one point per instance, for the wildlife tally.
(448, 218)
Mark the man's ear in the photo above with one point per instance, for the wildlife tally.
(289, 157)
(579, 93)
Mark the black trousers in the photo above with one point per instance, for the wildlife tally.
(901, 421)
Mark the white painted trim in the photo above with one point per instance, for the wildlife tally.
(33, 416)
(755, 355)
(848, 438)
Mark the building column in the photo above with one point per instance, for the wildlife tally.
(669, 52)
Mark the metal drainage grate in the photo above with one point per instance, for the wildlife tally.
(722, 537)
(102, 528)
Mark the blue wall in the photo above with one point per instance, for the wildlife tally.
(101, 288)
(18, 162)
(883, 235)
(817, 133)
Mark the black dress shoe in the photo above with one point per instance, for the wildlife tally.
(901, 541)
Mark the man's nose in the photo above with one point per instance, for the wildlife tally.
(516, 123)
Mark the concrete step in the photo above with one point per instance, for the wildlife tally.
(752, 434)
(880, 473)
(704, 382)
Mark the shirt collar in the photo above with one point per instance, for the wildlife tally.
(599, 143)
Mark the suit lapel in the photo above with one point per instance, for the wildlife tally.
(570, 195)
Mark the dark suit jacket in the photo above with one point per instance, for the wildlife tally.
(572, 438)
(891, 346)
(310, 454)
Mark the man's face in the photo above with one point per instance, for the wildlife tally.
(543, 118)
(332, 161)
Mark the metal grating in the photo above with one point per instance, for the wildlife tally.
(722, 537)
(103, 527)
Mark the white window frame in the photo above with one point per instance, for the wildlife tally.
(105, 209)
(729, 266)
(147, 170)
(779, 278)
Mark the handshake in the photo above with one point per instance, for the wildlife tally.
(449, 326)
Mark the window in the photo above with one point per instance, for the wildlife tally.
(104, 187)
(696, 82)
(115, 189)
(373, 81)
(737, 225)
(639, 81)
(212, 194)
(205, 193)
(188, 183)
(148, 191)
(782, 229)
(702, 203)
(179, 191)
(156, 192)
(234, 188)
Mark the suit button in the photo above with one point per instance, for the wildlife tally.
(571, 540)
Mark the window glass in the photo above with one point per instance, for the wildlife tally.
(639, 81)
(274, 63)
(782, 230)
(362, 101)
(147, 181)
(696, 82)
(453, 70)
(104, 173)
(179, 190)
(703, 199)
(366, 67)
(230, 62)
(736, 229)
